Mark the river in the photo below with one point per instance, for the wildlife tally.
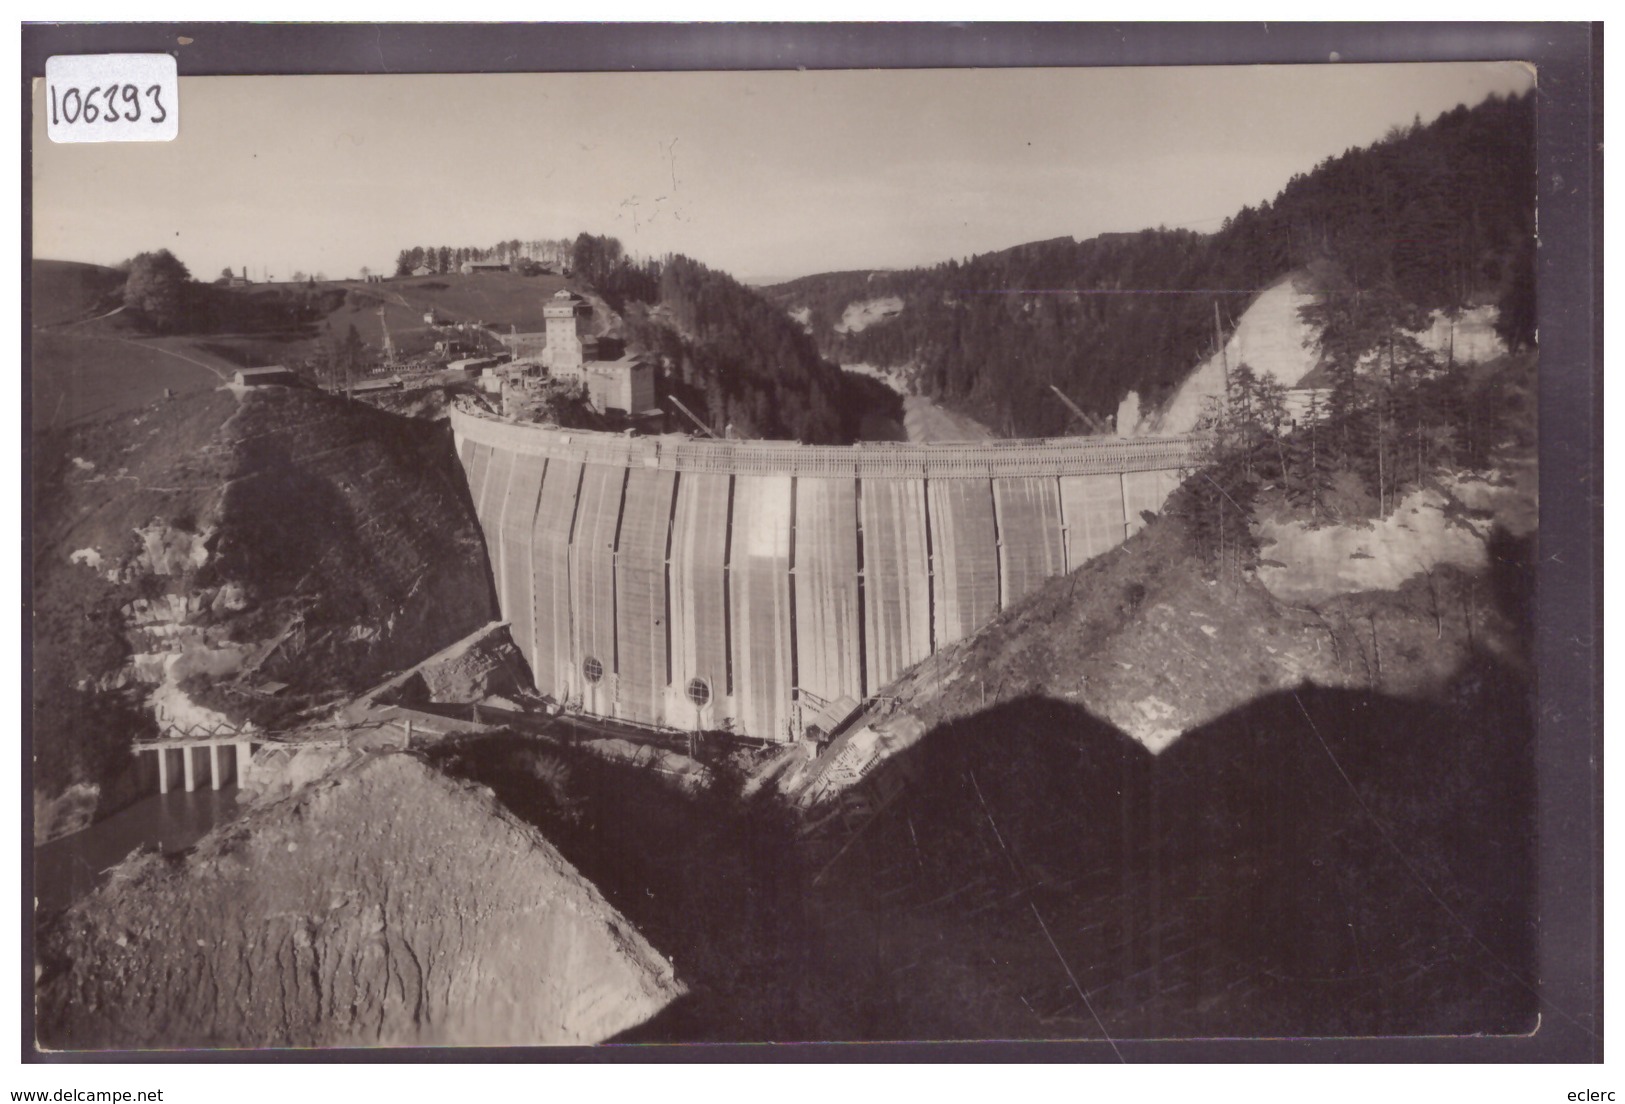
(924, 421)
(66, 869)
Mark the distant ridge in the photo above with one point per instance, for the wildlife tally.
(1439, 216)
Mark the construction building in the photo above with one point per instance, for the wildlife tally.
(259, 377)
(531, 345)
(622, 386)
(623, 383)
(570, 340)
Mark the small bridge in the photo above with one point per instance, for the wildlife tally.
(191, 741)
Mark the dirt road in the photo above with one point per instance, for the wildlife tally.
(927, 422)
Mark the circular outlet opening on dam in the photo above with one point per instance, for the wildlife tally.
(592, 669)
(699, 692)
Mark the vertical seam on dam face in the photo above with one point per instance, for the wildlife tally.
(494, 550)
(1122, 490)
(778, 546)
(790, 584)
(998, 550)
(727, 590)
(615, 578)
(863, 623)
(569, 578)
(930, 570)
(530, 554)
(1066, 543)
(671, 528)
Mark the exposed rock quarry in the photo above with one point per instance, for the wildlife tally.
(860, 316)
(1270, 337)
(383, 904)
(895, 378)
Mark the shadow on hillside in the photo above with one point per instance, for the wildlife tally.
(1318, 862)
(711, 879)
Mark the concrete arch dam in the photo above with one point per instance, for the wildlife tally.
(745, 585)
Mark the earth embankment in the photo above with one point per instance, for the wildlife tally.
(384, 904)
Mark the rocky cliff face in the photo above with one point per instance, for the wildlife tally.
(383, 904)
(1273, 339)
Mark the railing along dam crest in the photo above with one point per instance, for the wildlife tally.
(744, 584)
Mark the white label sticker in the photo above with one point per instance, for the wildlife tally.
(112, 98)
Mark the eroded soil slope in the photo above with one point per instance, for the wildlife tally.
(385, 904)
(192, 553)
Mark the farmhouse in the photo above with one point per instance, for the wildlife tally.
(471, 267)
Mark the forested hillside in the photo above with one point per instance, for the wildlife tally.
(1436, 216)
(737, 360)
(729, 354)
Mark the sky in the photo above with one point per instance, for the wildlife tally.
(767, 175)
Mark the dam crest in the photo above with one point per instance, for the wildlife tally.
(748, 585)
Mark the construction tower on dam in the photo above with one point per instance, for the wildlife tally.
(748, 585)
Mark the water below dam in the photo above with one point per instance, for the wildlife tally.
(67, 868)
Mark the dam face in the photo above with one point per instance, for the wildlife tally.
(744, 585)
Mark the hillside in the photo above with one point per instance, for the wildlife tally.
(89, 359)
(1436, 217)
(216, 541)
(1233, 805)
(499, 300)
(384, 905)
(738, 362)
(68, 291)
(299, 325)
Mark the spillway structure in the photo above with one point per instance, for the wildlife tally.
(747, 585)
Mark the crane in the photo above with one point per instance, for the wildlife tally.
(691, 416)
(1093, 424)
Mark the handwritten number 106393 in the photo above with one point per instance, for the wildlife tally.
(114, 103)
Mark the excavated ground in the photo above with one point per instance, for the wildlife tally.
(384, 904)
